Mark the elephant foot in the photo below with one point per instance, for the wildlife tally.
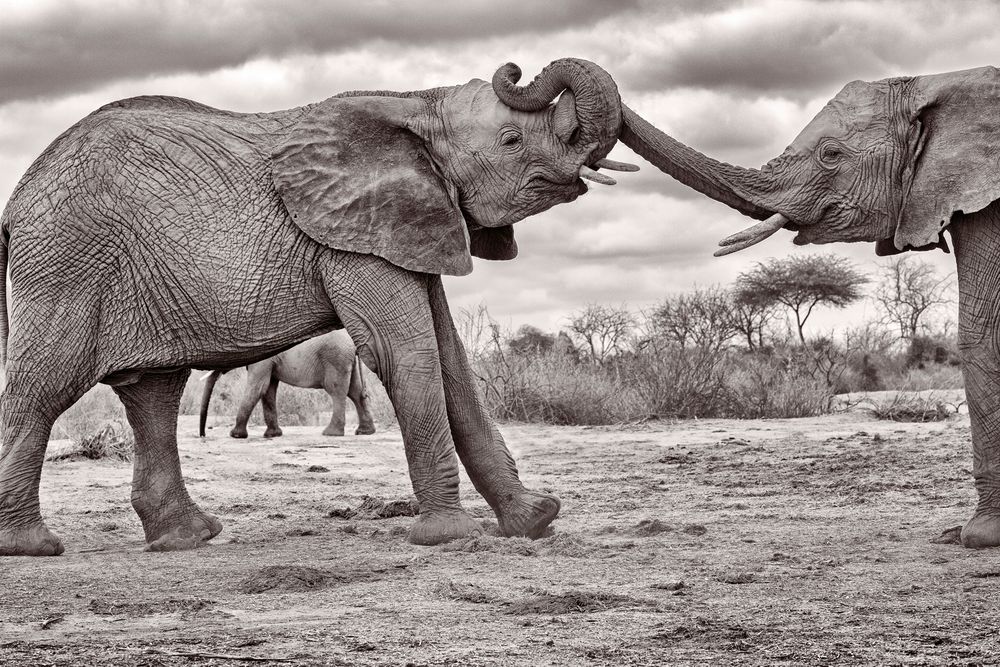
(528, 514)
(365, 429)
(270, 432)
(982, 531)
(189, 532)
(438, 527)
(33, 540)
(237, 432)
(334, 432)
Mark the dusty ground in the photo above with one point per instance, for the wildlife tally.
(768, 542)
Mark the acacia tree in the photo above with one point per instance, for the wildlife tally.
(601, 330)
(908, 290)
(802, 282)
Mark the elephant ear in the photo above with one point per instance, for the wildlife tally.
(354, 177)
(493, 242)
(955, 153)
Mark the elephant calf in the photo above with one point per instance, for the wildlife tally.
(325, 362)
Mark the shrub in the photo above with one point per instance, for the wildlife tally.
(911, 407)
(112, 441)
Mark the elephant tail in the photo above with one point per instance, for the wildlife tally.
(206, 398)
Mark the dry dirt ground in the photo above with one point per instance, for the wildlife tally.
(798, 542)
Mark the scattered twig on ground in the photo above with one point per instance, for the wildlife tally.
(212, 656)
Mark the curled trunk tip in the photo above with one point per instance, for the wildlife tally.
(598, 106)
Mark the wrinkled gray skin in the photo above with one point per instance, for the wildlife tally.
(325, 362)
(158, 235)
(897, 162)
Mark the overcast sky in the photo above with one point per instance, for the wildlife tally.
(734, 79)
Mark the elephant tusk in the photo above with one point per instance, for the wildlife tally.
(591, 175)
(614, 165)
(751, 236)
(205, 376)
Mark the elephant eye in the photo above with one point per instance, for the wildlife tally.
(510, 139)
(831, 152)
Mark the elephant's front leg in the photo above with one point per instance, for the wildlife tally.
(394, 331)
(477, 439)
(981, 370)
(976, 240)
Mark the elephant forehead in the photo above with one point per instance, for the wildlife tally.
(477, 111)
(853, 115)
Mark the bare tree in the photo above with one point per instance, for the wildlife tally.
(802, 282)
(601, 330)
(909, 289)
(700, 318)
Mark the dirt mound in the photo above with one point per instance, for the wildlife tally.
(651, 527)
(377, 508)
(300, 578)
(517, 546)
(565, 544)
(465, 592)
(576, 602)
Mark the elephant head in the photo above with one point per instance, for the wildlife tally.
(888, 161)
(425, 179)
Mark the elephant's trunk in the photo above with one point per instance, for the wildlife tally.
(206, 398)
(746, 190)
(595, 97)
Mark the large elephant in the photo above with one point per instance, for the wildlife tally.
(896, 162)
(158, 235)
(327, 362)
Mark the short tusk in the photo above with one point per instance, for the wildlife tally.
(615, 166)
(751, 236)
(205, 376)
(591, 175)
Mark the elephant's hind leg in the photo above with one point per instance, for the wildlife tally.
(29, 406)
(170, 519)
(335, 382)
(269, 404)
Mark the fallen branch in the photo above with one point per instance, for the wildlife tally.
(213, 656)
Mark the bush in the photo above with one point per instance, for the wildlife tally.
(114, 441)
(911, 407)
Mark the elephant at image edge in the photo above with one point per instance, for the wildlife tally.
(158, 235)
(897, 162)
(327, 362)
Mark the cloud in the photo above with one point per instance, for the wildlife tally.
(801, 49)
(73, 46)
(736, 80)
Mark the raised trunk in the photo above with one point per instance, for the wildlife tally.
(595, 97)
(746, 190)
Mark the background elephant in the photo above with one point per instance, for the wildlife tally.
(326, 362)
(896, 162)
(158, 235)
